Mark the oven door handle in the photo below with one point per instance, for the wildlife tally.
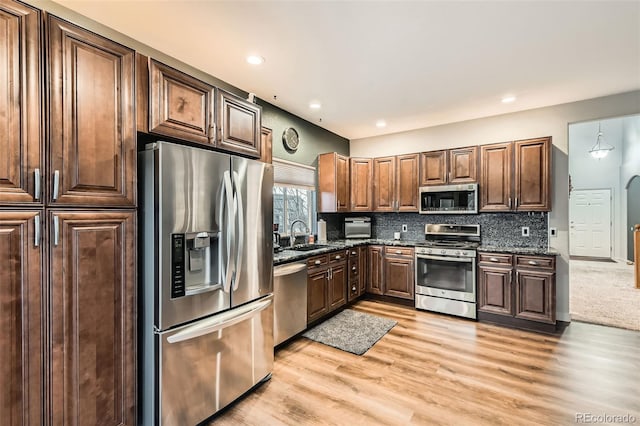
(448, 259)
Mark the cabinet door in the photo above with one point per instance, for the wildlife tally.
(535, 296)
(532, 175)
(363, 268)
(495, 177)
(239, 124)
(361, 171)
(20, 103)
(92, 318)
(21, 302)
(375, 270)
(384, 184)
(399, 277)
(266, 145)
(433, 170)
(342, 183)
(494, 290)
(463, 165)
(407, 183)
(338, 286)
(180, 106)
(317, 291)
(92, 122)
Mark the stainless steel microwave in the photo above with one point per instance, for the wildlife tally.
(449, 199)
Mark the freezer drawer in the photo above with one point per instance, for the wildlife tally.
(206, 365)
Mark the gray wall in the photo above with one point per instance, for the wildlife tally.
(314, 140)
(633, 212)
(549, 121)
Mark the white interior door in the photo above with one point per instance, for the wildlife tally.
(590, 223)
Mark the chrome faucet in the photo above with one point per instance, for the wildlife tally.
(292, 237)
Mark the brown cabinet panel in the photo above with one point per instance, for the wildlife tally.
(495, 177)
(21, 143)
(317, 292)
(375, 270)
(333, 183)
(494, 290)
(21, 301)
(535, 296)
(92, 120)
(266, 145)
(433, 170)
(239, 124)
(536, 262)
(407, 183)
(463, 165)
(361, 181)
(338, 286)
(398, 251)
(532, 175)
(364, 267)
(399, 277)
(496, 258)
(180, 106)
(92, 346)
(384, 184)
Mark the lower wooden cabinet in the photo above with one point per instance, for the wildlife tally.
(399, 277)
(92, 349)
(375, 270)
(337, 285)
(327, 279)
(520, 287)
(317, 295)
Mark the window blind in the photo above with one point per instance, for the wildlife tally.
(287, 173)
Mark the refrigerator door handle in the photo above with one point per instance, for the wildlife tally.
(220, 322)
(240, 217)
(227, 272)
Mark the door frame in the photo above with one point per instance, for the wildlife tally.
(611, 233)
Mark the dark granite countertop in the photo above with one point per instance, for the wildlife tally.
(540, 251)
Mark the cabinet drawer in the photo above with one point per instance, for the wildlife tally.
(398, 251)
(536, 262)
(338, 256)
(495, 258)
(318, 261)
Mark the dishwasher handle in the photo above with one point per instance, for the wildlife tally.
(292, 268)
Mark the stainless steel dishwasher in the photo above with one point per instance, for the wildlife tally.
(290, 300)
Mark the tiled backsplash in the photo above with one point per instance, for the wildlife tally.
(496, 229)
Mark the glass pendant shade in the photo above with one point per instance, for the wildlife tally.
(600, 149)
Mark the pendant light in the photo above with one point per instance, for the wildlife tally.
(600, 149)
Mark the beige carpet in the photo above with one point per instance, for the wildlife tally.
(604, 293)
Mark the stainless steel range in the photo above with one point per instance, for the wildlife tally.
(446, 269)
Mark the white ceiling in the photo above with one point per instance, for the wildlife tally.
(414, 64)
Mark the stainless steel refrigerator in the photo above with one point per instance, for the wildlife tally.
(206, 305)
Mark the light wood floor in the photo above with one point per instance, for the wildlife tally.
(433, 369)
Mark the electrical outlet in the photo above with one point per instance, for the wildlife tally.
(404, 228)
(525, 231)
(553, 232)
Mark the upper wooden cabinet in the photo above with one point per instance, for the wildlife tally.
(180, 106)
(92, 132)
(333, 183)
(21, 143)
(395, 183)
(451, 166)
(516, 184)
(361, 181)
(266, 145)
(21, 331)
(238, 125)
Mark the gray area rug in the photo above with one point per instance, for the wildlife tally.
(351, 331)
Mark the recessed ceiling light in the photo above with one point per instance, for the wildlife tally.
(315, 105)
(255, 59)
(381, 123)
(508, 99)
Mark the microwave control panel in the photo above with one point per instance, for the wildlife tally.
(177, 266)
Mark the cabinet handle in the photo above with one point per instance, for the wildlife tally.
(353, 253)
(212, 131)
(36, 222)
(317, 262)
(36, 184)
(509, 202)
(338, 257)
(494, 259)
(516, 202)
(56, 184)
(398, 252)
(56, 231)
(533, 263)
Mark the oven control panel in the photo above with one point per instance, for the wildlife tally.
(445, 251)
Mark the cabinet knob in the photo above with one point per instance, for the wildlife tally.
(494, 259)
(398, 252)
(338, 257)
(533, 263)
(317, 262)
(353, 268)
(353, 288)
(353, 253)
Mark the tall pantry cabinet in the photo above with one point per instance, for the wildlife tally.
(67, 223)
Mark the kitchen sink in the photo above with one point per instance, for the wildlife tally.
(306, 247)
